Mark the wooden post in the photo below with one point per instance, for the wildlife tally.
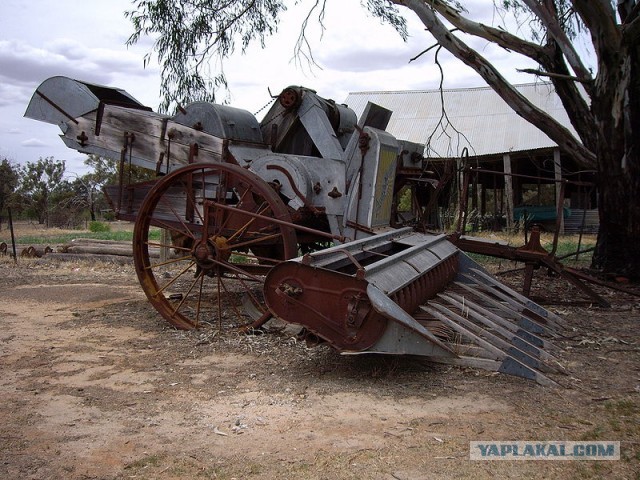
(557, 168)
(165, 240)
(13, 237)
(508, 190)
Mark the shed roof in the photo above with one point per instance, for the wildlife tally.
(486, 124)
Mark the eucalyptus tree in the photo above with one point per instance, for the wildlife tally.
(602, 102)
(9, 177)
(38, 182)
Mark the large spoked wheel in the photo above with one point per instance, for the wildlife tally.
(204, 238)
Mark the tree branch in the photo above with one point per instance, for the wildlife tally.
(554, 130)
(554, 75)
(502, 38)
(599, 17)
(549, 20)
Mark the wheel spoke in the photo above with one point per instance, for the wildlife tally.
(190, 234)
(172, 281)
(167, 262)
(189, 194)
(233, 305)
(164, 245)
(228, 217)
(236, 263)
(243, 229)
(254, 241)
(239, 271)
(184, 297)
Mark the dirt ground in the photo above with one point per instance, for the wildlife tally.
(95, 385)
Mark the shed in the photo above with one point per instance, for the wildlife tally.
(477, 122)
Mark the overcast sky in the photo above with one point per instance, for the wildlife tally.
(86, 41)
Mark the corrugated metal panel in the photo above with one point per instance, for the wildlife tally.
(486, 124)
(591, 219)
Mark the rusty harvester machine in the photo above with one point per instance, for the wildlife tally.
(294, 217)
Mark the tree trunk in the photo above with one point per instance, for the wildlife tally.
(617, 246)
(617, 249)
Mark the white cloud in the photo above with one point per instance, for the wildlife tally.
(23, 64)
(33, 142)
(87, 42)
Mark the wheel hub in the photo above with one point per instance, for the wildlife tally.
(209, 252)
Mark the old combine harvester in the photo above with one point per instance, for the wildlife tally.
(294, 217)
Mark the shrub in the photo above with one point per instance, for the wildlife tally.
(97, 227)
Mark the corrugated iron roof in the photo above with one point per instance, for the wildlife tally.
(476, 118)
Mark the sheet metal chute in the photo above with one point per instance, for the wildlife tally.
(403, 292)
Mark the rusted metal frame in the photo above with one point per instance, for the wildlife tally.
(577, 252)
(474, 195)
(163, 132)
(284, 223)
(253, 241)
(360, 227)
(199, 302)
(531, 257)
(528, 278)
(436, 194)
(597, 281)
(569, 276)
(363, 143)
(266, 316)
(494, 249)
(422, 215)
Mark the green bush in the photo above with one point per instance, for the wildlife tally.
(97, 227)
